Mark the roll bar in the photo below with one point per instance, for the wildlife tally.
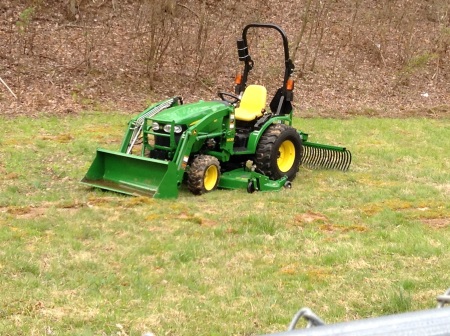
(244, 55)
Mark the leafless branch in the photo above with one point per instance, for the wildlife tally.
(9, 89)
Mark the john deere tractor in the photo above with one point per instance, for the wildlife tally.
(236, 141)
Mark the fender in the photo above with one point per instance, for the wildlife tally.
(256, 135)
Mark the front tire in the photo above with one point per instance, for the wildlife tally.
(279, 152)
(204, 174)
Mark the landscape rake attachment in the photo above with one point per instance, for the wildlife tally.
(318, 156)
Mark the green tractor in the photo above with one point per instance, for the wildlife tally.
(235, 142)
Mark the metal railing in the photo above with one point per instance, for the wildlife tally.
(432, 322)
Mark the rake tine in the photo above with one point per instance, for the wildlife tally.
(343, 161)
(329, 158)
(316, 157)
(340, 160)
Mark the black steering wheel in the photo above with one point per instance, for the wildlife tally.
(234, 98)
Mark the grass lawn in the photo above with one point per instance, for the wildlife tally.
(78, 261)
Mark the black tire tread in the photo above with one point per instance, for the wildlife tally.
(268, 147)
(196, 174)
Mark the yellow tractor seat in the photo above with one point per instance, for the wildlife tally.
(252, 104)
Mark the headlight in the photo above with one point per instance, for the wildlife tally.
(155, 126)
(167, 128)
(176, 128)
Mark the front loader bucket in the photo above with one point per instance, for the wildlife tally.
(318, 156)
(133, 175)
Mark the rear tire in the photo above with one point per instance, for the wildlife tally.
(204, 174)
(279, 152)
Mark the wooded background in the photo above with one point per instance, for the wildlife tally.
(384, 57)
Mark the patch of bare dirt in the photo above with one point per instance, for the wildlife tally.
(32, 212)
(310, 217)
(387, 58)
(436, 223)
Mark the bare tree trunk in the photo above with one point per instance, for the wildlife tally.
(299, 37)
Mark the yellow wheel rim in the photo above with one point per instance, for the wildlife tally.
(211, 176)
(286, 156)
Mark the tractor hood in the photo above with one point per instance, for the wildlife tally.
(186, 114)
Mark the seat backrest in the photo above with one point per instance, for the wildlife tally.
(254, 98)
(286, 106)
